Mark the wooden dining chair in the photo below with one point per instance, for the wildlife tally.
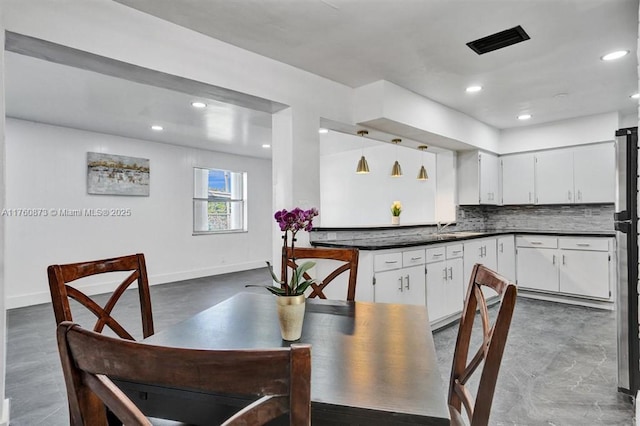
(61, 275)
(278, 379)
(347, 257)
(491, 349)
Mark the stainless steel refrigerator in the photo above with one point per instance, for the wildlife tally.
(626, 226)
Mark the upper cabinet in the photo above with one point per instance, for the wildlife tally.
(518, 177)
(478, 178)
(576, 175)
(584, 174)
(594, 173)
(554, 176)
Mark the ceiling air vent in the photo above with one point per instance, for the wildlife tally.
(498, 40)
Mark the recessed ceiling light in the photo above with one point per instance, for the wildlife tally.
(157, 128)
(323, 131)
(615, 55)
(524, 116)
(472, 89)
(635, 96)
(266, 145)
(198, 104)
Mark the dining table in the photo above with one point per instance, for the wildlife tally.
(371, 363)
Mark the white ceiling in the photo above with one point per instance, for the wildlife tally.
(417, 44)
(51, 93)
(421, 45)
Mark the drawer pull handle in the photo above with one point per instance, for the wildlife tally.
(583, 244)
(390, 261)
(407, 278)
(401, 289)
(456, 251)
(437, 255)
(417, 258)
(536, 242)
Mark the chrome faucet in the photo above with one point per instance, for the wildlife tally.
(440, 227)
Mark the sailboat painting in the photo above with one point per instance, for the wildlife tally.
(109, 174)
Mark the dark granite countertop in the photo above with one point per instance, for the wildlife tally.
(387, 242)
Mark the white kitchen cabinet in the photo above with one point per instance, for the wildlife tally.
(445, 286)
(554, 176)
(584, 174)
(594, 173)
(481, 250)
(536, 263)
(478, 178)
(399, 277)
(506, 257)
(576, 266)
(585, 266)
(518, 179)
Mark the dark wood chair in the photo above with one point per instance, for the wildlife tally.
(348, 257)
(279, 379)
(61, 275)
(494, 339)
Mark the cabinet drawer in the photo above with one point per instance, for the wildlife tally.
(541, 241)
(592, 244)
(384, 262)
(435, 254)
(413, 257)
(454, 251)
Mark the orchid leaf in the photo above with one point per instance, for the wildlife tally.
(302, 287)
(273, 275)
(302, 269)
(275, 290)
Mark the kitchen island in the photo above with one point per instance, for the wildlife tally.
(418, 267)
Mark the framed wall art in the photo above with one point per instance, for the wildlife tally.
(109, 174)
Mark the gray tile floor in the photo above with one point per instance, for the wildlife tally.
(559, 366)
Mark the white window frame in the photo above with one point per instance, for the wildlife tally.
(234, 196)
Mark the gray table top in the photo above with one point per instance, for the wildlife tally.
(372, 361)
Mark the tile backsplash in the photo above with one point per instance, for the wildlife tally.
(576, 217)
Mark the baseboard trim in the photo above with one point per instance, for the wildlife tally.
(591, 303)
(105, 287)
(4, 417)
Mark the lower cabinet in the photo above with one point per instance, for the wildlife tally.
(445, 286)
(399, 277)
(577, 266)
(406, 285)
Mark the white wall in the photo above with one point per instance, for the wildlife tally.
(47, 169)
(350, 199)
(4, 403)
(576, 131)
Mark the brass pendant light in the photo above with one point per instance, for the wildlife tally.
(422, 175)
(363, 166)
(396, 170)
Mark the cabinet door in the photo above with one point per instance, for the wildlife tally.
(537, 269)
(413, 279)
(518, 179)
(455, 285)
(389, 287)
(554, 177)
(507, 257)
(585, 273)
(437, 290)
(594, 171)
(489, 178)
(479, 251)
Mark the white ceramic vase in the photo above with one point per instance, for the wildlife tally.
(291, 316)
(395, 220)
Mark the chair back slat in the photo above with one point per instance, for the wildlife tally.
(491, 349)
(61, 275)
(349, 257)
(283, 374)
